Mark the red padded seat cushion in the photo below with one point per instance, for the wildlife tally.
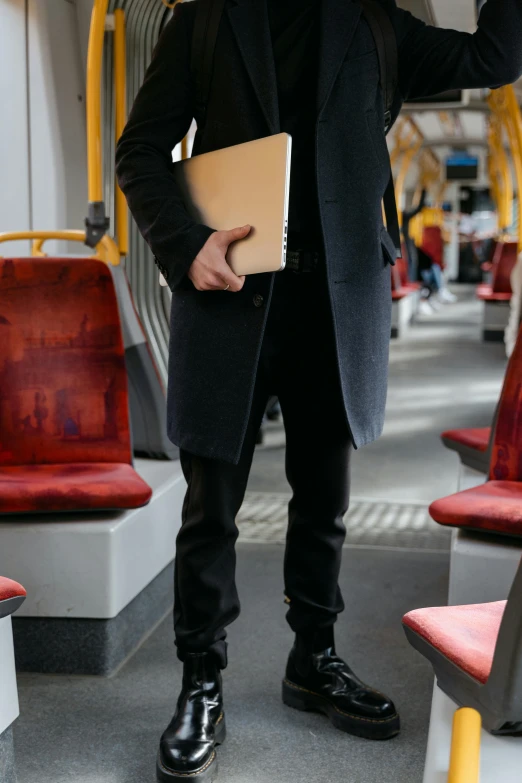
(495, 506)
(486, 295)
(71, 487)
(466, 635)
(477, 439)
(10, 589)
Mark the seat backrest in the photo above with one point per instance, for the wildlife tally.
(505, 680)
(433, 244)
(504, 260)
(395, 278)
(63, 382)
(402, 268)
(506, 454)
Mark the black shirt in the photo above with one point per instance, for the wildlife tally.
(294, 27)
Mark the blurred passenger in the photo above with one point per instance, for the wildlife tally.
(411, 248)
(317, 335)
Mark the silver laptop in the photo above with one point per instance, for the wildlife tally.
(245, 184)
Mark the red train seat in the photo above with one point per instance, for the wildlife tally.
(12, 595)
(496, 506)
(472, 438)
(475, 651)
(493, 507)
(504, 260)
(465, 635)
(64, 422)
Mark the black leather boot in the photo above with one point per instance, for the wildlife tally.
(317, 679)
(187, 747)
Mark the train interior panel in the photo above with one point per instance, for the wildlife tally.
(135, 393)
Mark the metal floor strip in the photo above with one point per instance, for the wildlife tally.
(369, 523)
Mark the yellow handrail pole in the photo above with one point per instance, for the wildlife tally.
(504, 104)
(106, 249)
(493, 178)
(517, 161)
(121, 211)
(500, 166)
(515, 115)
(465, 747)
(96, 221)
(94, 69)
(406, 162)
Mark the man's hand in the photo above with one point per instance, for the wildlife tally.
(209, 270)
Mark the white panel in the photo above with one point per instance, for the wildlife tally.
(8, 692)
(14, 199)
(57, 119)
(473, 124)
(429, 125)
(481, 571)
(93, 565)
(456, 14)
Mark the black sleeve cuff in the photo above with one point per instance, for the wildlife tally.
(188, 246)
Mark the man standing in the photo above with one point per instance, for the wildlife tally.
(315, 335)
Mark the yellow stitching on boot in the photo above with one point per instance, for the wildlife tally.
(220, 719)
(189, 774)
(347, 714)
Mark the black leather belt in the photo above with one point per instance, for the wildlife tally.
(303, 260)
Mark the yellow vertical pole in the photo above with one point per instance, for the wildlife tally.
(465, 747)
(500, 172)
(503, 103)
(94, 68)
(406, 162)
(515, 122)
(495, 189)
(122, 215)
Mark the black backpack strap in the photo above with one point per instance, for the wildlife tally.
(387, 51)
(206, 26)
(386, 43)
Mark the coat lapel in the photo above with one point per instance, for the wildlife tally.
(339, 20)
(249, 20)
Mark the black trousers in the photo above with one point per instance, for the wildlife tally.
(298, 363)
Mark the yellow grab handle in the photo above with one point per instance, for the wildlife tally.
(122, 215)
(465, 747)
(106, 249)
(94, 69)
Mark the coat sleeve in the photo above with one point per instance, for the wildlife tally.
(433, 60)
(160, 118)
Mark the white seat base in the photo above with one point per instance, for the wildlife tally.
(482, 567)
(92, 565)
(403, 311)
(500, 757)
(8, 691)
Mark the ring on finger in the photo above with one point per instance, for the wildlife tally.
(226, 287)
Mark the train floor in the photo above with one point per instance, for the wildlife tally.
(106, 730)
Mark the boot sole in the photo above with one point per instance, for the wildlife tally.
(205, 774)
(307, 701)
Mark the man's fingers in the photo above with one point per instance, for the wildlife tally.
(227, 237)
(229, 278)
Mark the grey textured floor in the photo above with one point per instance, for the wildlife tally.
(106, 731)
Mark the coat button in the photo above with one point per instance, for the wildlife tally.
(258, 300)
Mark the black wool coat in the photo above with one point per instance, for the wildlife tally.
(216, 336)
